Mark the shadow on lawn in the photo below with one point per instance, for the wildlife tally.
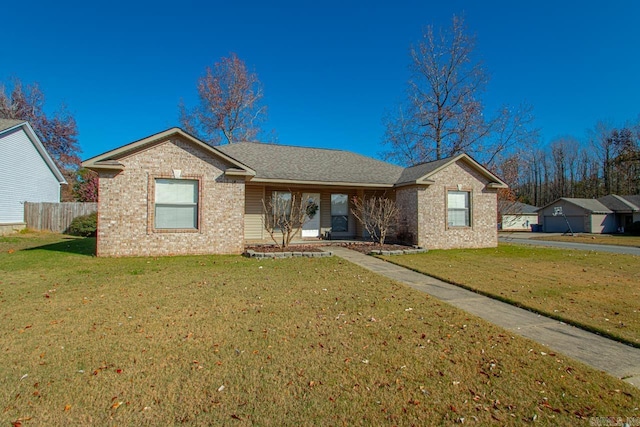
(72, 245)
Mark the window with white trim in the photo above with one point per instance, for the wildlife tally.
(458, 209)
(339, 212)
(176, 204)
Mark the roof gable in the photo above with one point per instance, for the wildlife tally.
(110, 159)
(10, 125)
(422, 173)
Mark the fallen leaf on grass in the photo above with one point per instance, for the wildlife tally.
(116, 405)
(67, 408)
(10, 251)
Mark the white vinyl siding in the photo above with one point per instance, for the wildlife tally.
(24, 176)
(176, 202)
(458, 209)
(253, 213)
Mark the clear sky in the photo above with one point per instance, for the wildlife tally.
(330, 69)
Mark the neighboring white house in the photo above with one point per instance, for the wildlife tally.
(517, 216)
(27, 173)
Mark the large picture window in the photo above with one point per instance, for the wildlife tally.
(339, 212)
(459, 212)
(176, 204)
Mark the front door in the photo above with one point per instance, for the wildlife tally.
(311, 227)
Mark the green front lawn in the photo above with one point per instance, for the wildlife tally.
(225, 340)
(600, 291)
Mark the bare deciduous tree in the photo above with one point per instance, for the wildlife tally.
(230, 107)
(284, 216)
(378, 215)
(443, 114)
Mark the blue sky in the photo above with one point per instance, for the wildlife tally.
(330, 69)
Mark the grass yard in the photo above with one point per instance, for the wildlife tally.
(600, 291)
(225, 340)
(596, 239)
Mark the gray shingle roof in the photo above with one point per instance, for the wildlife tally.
(411, 174)
(591, 205)
(620, 203)
(9, 123)
(292, 164)
(634, 200)
(284, 162)
(519, 208)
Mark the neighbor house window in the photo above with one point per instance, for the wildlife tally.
(176, 204)
(459, 212)
(339, 212)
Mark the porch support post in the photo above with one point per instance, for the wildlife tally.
(359, 229)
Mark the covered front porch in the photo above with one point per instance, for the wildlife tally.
(333, 220)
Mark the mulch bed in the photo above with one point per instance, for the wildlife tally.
(290, 248)
(364, 247)
(367, 247)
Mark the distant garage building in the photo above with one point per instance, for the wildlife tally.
(584, 216)
(518, 216)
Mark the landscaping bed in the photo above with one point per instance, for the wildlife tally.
(315, 250)
(272, 251)
(370, 248)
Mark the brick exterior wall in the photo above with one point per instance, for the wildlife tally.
(424, 210)
(126, 204)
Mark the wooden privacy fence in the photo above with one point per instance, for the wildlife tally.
(55, 217)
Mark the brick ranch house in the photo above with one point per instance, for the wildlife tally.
(171, 193)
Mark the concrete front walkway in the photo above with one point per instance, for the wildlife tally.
(619, 360)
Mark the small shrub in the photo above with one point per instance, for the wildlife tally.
(633, 229)
(84, 225)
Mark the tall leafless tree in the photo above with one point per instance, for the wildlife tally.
(230, 108)
(443, 113)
